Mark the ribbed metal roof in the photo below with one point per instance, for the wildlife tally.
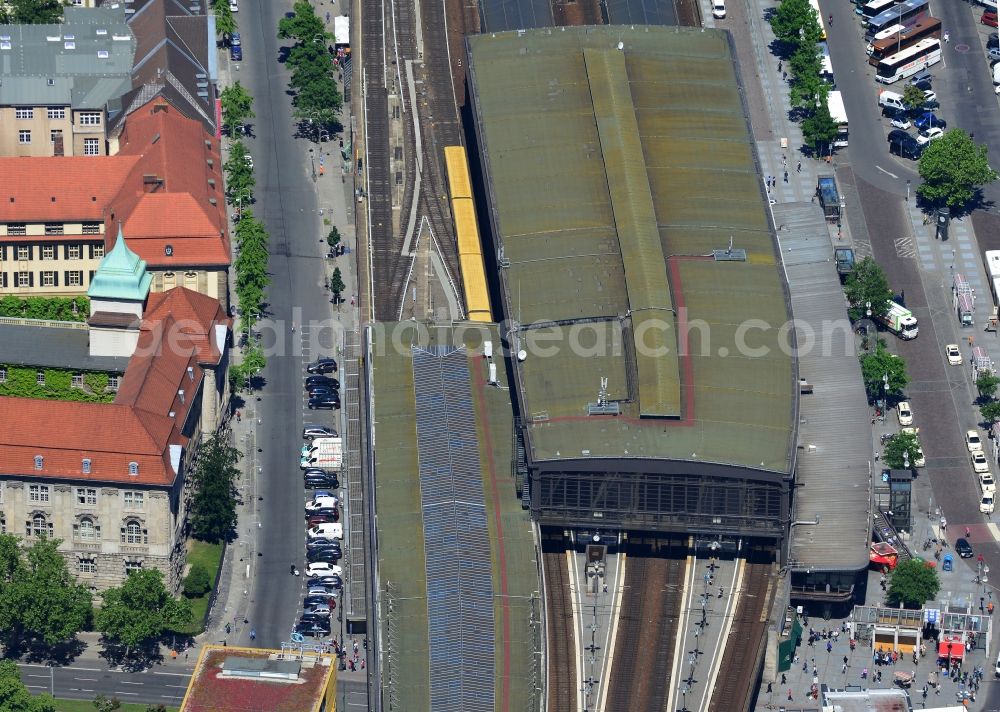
(617, 160)
(835, 438)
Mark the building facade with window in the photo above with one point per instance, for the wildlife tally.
(61, 86)
(108, 478)
(59, 215)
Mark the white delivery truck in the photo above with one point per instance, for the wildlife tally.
(900, 321)
(324, 454)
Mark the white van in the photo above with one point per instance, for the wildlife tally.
(891, 100)
(996, 74)
(719, 9)
(329, 530)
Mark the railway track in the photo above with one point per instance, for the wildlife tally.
(647, 629)
(738, 669)
(559, 630)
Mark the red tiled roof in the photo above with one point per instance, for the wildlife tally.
(55, 188)
(147, 416)
(64, 433)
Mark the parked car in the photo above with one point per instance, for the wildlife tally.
(310, 431)
(904, 413)
(322, 365)
(320, 503)
(235, 40)
(321, 542)
(321, 389)
(973, 441)
(989, 18)
(314, 519)
(326, 401)
(322, 589)
(322, 380)
(314, 628)
(329, 581)
(321, 568)
(993, 54)
(319, 609)
(963, 547)
(234, 6)
(954, 354)
(899, 121)
(317, 599)
(993, 40)
(331, 556)
(928, 135)
(904, 145)
(236, 53)
(922, 79)
(321, 480)
(929, 119)
(719, 9)
(979, 462)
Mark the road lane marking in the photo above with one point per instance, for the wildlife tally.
(86, 679)
(994, 530)
(126, 693)
(176, 674)
(887, 172)
(126, 682)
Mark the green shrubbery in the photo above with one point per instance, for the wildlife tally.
(22, 382)
(55, 308)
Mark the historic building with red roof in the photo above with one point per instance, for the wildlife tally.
(164, 186)
(108, 478)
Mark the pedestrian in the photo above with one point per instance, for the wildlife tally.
(786, 176)
(798, 168)
(779, 65)
(789, 694)
(968, 532)
(946, 38)
(769, 688)
(238, 417)
(944, 524)
(253, 634)
(829, 647)
(843, 669)
(784, 680)
(185, 655)
(805, 666)
(845, 660)
(831, 20)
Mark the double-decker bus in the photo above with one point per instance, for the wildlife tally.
(905, 38)
(923, 54)
(906, 14)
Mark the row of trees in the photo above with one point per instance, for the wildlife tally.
(250, 266)
(43, 607)
(798, 31)
(315, 96)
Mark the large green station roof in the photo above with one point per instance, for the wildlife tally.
(618, 160)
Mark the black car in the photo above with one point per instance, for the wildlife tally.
(321, 481)
(317, 599)
(904, 144)
(322, 390)
(993, 41)
(321, 542)
(328, 402)
(326, 580)
(313, 627)
(330, 556)
(963, 548)
(236, 53)
(322, 365)
(322, 381)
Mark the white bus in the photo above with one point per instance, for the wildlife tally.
(835, 103)
(825, 64)
(876, 7)
(891, 31)
(923, 54)
(992, 260)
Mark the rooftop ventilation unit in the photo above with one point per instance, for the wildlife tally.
(731, 254)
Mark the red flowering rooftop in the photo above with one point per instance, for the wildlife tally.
(257, 680)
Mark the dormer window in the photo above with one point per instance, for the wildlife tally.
(133, 468)
(39, 462)
(85, 467)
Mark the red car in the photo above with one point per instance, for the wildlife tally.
(989, 18)
(323, 518)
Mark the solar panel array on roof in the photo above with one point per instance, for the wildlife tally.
(457, 549)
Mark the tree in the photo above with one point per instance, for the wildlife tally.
(39, 600)
(913, 97)
(333, 237)
(990, 411)
(953, 169)
(898, 445)
(236, 106)
(212, 512)
(303, 25)
(794, 22)
(140, 610)
(253, 362)
(239, 175)
(867, 285)
(15, 697)
(104, 704)
(986, 384)
(337, 285)
(878, 364)
(225, 21)
(913, 583)
(32, 12)
(198, 582)
(820, 129)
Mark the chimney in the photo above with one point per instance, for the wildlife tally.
(180, 394)
(190, 373)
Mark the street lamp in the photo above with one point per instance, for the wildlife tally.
(906, 459)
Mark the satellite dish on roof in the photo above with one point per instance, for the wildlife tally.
(521, 355)
(621, 45)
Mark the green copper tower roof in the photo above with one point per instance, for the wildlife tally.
(121, 275)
